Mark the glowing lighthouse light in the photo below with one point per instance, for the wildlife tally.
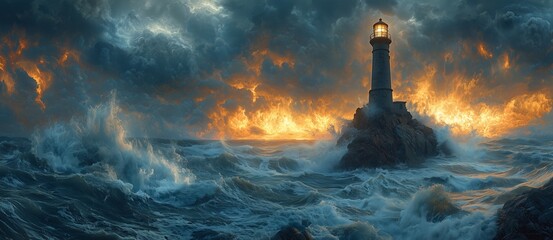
(380, 29)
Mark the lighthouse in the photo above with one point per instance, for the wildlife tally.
(380, 95)
(384, 133)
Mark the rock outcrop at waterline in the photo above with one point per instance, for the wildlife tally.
(528, 215)
(386, 139)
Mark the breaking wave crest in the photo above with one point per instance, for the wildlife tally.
(98, 144)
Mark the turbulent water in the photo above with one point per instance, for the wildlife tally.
(87, 180)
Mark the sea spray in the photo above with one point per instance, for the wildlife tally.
(98, 144)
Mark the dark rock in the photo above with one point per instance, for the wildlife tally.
(294, 232)
(528, 215)
(386, 139)
(348, 133)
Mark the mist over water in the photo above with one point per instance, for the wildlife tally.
(87, 179)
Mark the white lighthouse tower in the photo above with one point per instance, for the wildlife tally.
(380, 95)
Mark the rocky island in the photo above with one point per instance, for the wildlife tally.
(384, 133)
(386, 139)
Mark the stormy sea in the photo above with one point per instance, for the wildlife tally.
(87, 179)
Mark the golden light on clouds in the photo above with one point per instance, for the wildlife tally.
(453, 99)
(68, 54)
(260, 52)
(38, 68)
(263, 109)
(42, 79)
(279, 116)
(32, 68)
(483, 51)
(278, 120)
(506, 61)
(6, 77)
(458, 107)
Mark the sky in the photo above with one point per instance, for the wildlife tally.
(274, 69)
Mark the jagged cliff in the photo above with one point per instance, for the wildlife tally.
(386, 139)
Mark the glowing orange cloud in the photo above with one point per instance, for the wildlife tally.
(278, 117)
(458, 107)
(37, 69)
(260, 51)
(506, 61)
(278, 120)
(458, 100)
(42, 79)
(483, 51)
(453, 99)
(68, 54)
(6, 77)
(17, 60)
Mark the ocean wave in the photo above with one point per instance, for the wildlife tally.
(85, 176)
(98, 144)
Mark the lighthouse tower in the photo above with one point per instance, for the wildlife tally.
(380, 95)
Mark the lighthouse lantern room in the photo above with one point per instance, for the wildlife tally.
(380, 29)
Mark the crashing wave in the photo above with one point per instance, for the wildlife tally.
(98, 144)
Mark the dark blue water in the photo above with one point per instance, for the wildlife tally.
(87, 180)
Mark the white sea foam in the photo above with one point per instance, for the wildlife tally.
(98, 143)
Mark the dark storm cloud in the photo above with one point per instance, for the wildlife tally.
(152, 60)
(316, 35)
(173, 62)
(521, 27)
(50, 19)
(47, 27)
(212, 43)
(386, 6)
